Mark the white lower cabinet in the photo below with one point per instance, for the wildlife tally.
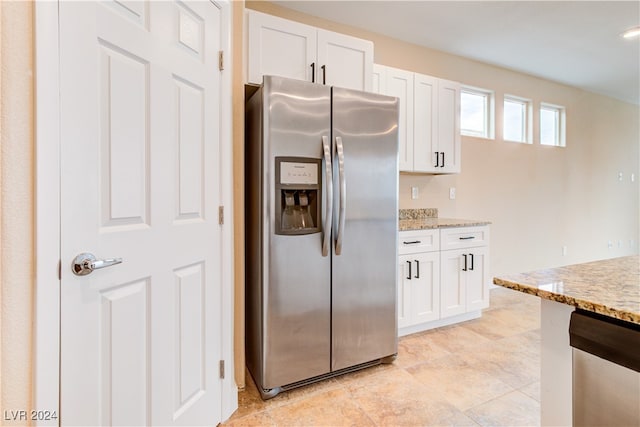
(418, 277)
(418, 288)
(437, 285)
(464, 280)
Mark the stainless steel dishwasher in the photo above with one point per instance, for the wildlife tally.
(606, 370)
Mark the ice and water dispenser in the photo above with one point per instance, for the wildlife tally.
(298, 194)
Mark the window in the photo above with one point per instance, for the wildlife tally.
(476, 112)
(516, 119)
(552, 125)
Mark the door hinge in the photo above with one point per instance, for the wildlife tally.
(220, 215)
(221, 60)
(222, 369)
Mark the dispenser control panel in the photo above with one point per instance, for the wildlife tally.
(298, 173)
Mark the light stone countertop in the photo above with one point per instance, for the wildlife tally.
(430, 223)
(609, 287)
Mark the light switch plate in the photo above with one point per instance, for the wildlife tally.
(452, 193)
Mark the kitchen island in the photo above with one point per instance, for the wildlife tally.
(607, 291)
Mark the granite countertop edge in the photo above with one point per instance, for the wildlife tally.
(435, 223)
(579, 301)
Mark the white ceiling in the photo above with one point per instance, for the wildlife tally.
(572, 42)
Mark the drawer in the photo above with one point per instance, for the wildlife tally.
(464, 237)
(410, 242)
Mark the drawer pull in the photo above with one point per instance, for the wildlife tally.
(465, 263)
(413, 242)
(409, 276)
(467, 238)
(417, 276)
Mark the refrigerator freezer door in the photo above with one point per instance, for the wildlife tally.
(296, 293)
(364, 322)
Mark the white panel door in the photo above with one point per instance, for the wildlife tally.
(140, 146)
(400, 85)
(425, 123)
(344, 61)
(279, 47)
(449, 125)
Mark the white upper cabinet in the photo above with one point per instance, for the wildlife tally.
(429, 126)
(379, 81)
(277, 46)
(344, 61)
(399, 83)
(448, 142)
(425, 123)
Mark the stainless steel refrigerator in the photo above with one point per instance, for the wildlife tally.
(321, 215)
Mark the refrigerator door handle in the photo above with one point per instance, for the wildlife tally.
(343, 195)
(326, 240)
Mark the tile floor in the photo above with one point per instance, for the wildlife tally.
(481, 372)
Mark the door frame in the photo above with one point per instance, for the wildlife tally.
(46, 304)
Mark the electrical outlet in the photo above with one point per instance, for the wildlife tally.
(452, 193)
(633, 177)
(610, 244)
(414, 193)
(619, 176)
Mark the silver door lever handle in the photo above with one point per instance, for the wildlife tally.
(85, 263)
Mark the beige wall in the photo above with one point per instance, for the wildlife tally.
(538, 198)
(17, 205)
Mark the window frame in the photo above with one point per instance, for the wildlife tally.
(489, 110)
(560, 129)
(526, 119)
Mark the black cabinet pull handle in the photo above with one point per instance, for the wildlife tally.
(313, 72)
(324, 74)
(409, 277)
(465, 262)
(437, 159)
(442, 165)
(413, 242)
(467, 238)
(417, 276)
(471, 255)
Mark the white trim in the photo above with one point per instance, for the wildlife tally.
(46, 352)
(229, 388)
(408, 330)
(46, 355)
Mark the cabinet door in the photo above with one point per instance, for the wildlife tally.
(404, 291)
(279, 47)
(400, 84)
(453, 298)
(449, 125)
(379, 79)
(425, 287)
(344, 61)
(478, 278)
(425, 120)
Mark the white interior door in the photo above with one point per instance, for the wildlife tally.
(140, 134)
